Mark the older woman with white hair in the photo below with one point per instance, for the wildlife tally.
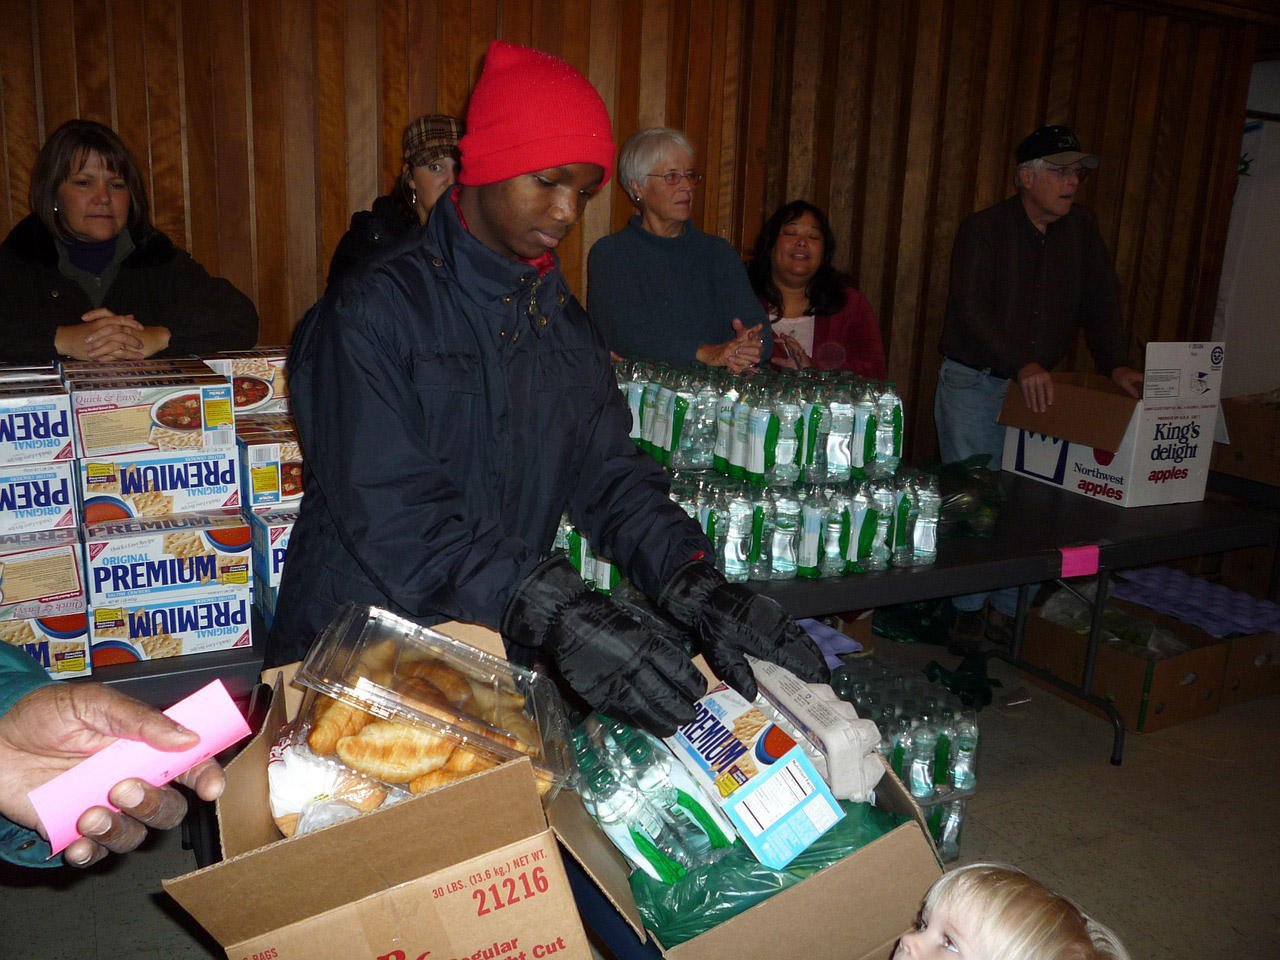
(659, 288)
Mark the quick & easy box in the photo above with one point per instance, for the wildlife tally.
(35, 424)
(38, 496)
(259, 378)
(1098, 442)
(146, 557)
(166, 413)
(59, 644)
(41, 575)
(270, 468)
(171, 626)
(158, 484)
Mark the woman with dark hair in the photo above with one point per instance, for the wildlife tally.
(818, 318)
(87, 276)
(430, 167)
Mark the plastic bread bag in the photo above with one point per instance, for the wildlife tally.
(307, 791)
(417, 709)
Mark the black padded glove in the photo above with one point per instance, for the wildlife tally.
(614, 663)
(730, 620)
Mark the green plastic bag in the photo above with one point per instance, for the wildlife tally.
(706, 896)
(736, 882)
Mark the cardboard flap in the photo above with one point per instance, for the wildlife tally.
(1086, 409)
(308, 875)
(244, 820)
(596, 855)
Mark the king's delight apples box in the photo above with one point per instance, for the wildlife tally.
(130, 415)
(35, 423)
(159, 483)
(143, 558)
(1098, 442)
(38, 496)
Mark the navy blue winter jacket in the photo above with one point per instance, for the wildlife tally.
(452, 404)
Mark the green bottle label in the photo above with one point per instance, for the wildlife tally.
(897, 431)
(757, 533)
(703, 819)
(678, 410)
(771, 443)
(867, 535)
(869, 441)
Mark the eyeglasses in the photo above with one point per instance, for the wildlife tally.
(672, 177)
(1082, 172)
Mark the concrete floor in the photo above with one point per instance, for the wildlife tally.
(1176, 849)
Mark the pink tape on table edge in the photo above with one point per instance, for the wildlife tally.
(209, 711)
(1079, 561)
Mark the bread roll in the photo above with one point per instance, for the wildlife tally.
(447, 680)
(394, 752)
(331, 721)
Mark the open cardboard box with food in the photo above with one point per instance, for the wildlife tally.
(452, 872)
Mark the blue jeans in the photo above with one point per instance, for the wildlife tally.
(965, 408)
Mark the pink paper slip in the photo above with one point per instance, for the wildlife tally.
(1079, 561)
(59, 803)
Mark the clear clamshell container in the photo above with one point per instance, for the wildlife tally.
(410, 706)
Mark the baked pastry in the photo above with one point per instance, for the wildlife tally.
(331, 721)
(462, 763)
(394, 752)
(490, 698)
(452, 684)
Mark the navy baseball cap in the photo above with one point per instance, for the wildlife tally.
(1057, 145)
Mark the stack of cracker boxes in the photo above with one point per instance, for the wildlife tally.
(121, 487)
(42, 587)
(270, 461)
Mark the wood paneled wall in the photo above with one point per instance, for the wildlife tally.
(263, 124)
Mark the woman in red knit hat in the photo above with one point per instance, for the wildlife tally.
(455, 402)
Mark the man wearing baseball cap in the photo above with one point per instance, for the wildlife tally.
(1024, 274)
(454, 402)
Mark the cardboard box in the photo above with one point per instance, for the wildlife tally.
(59, 644)
(154, 628)
(270, 469)
(271, 532)
(1098, 442)
(879, 888)
(1148, 694)
(35, 424)
(148, 557)
(135, 415)
(259, 377)
(469, 868)
(1253, 668)
(158, 484)
(41, 575)
(38, 496)
(1253, 431)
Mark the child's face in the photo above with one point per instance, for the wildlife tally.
(944, 933)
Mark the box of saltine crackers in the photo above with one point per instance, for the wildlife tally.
(42, 599)
(133, 415)
(167, 586)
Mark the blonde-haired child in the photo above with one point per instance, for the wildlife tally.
(989, 911)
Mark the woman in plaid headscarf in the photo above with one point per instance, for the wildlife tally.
(430, 166)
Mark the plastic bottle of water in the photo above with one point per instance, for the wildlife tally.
(664, 782)
(906, 511)
(760, 557)
(903, 747)
(649, 410)
(762, 437)
(835, 532)
(637, 828)
(926, 534)
(737, 546)
(964, 754)
(864, 431)
(561, 542)
(922, 760)
(813, 515)
(787, 456)
(786, 532)
(728, 399)
(942, 754)
(741, 431)
(703, 447)
(840, 436)
(861, 527)
(888, 431)
(817, 426)
(882, 496)
(948, 836)
(625, 373)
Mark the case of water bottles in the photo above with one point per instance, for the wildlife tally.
(928, 738)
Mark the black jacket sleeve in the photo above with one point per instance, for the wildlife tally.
(204, 314)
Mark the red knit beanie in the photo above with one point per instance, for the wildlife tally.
(530, 111)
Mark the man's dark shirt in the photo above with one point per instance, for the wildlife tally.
(1016, 294)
